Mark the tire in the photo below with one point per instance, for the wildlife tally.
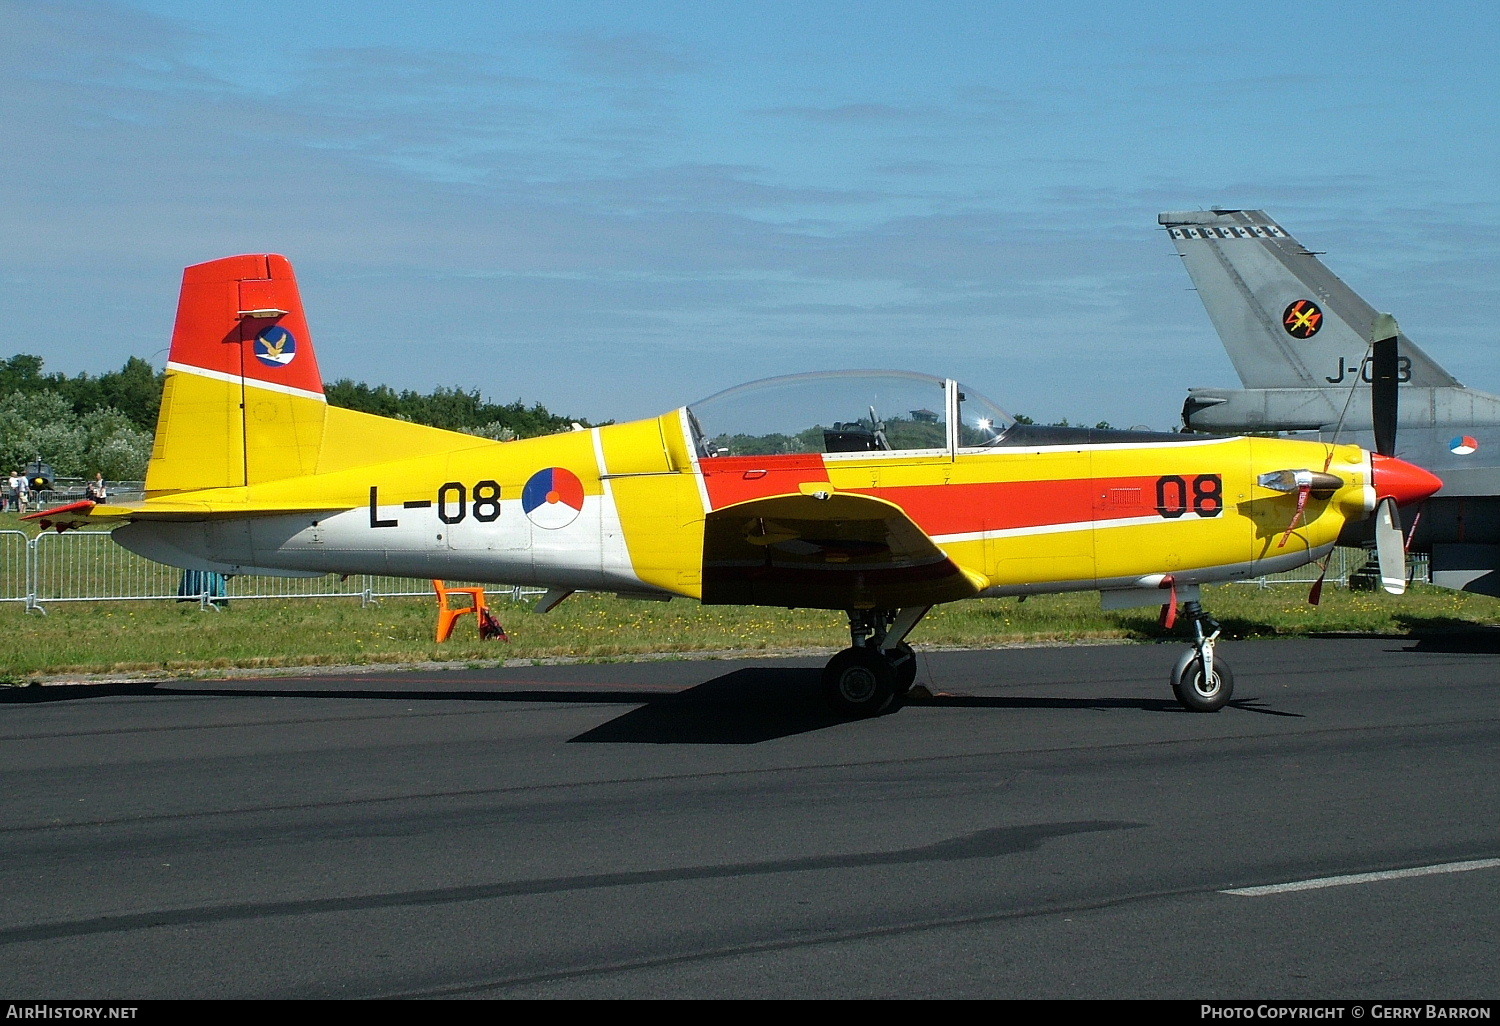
(904, 660)
(859, 682)
(1187, 684)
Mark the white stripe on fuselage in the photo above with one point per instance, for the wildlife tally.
(1087, 525)
(510, 550)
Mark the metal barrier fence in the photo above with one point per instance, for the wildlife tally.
(71, 489)
(1343, 563)
(86, 566)
(15, 566)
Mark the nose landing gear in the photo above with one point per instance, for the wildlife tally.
(1201, 682)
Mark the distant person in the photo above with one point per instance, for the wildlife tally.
(15, 489)
(23, 491)
(95, 490)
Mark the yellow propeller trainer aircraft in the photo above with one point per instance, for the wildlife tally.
(881, 494)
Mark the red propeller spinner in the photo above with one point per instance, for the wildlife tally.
(1405, 482)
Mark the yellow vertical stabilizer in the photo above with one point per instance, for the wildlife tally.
(244, 402)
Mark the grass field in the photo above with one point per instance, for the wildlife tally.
(100, 638)
(172, 638)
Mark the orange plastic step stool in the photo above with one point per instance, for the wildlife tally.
(447, 616)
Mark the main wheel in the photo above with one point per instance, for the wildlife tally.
(859, 682)
(904, 660)
(1193, 692)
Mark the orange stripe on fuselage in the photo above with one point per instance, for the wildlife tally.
(944, 509)
(732, 479)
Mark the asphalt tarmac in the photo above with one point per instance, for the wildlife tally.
(1051, 824)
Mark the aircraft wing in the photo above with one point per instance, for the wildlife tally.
(827, 550)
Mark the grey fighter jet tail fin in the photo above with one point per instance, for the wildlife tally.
(1285, 319)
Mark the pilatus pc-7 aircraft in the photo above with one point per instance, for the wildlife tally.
(880, 494)
(1298, 338)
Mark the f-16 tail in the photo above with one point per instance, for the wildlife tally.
(1285, 319)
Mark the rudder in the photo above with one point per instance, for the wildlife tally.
(1285, 319)
(244, 400)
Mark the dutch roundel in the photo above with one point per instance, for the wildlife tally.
(1463, 445)
(552, 498)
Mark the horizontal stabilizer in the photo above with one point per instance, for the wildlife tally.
(91, 514)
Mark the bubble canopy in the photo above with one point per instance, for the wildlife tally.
(845, 412)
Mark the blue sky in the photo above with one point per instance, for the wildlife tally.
(613, 209)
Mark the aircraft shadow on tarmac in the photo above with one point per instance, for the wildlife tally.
(1428, 634)
(1440, 634)
(758, 704)
(746, 706)
(1422, 633)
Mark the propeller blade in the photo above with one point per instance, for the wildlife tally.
(1390, 547)
(1316, 595)
(1383, 399)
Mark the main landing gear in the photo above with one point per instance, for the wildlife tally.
(1201, 682)
(878, 668)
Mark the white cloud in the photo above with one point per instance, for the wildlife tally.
(593, 220)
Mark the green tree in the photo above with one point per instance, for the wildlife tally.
(42, 424)
(135, 389)
(104, 423)
(21, 373)
(453, 409)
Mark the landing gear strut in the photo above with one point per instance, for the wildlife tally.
(1201, 682)
(879, 667)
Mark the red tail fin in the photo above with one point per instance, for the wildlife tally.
(241, 317)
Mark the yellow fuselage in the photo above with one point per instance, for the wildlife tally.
(625, 507)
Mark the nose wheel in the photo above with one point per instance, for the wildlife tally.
(1198, 693)
(1202, 682)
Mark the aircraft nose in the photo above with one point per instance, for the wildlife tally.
(1402, 481)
